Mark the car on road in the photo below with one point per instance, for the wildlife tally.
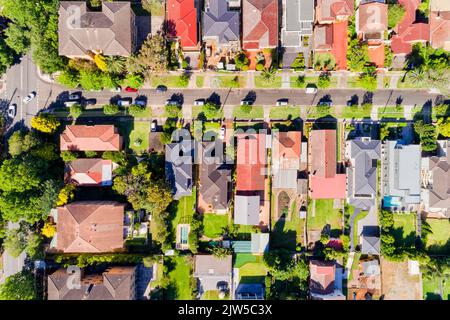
(91, 102)
(153, 125)
(123, 102)
(222, 133)
(116, 89)
(75, 96)
(325, 103)
(130, 89)
(161, 89)
(12, 110)
(172, 102)
(199, 102)
(140, 102)
(68, 104)
(311, 90)
(29, 97)
(282, 102)
(245, 102)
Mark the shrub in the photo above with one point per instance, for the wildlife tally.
(172, 111)
(183, 80)
(299, 62)
(100, 62)
(300, 81)
(135, 109)
(133, 81)
(111, 109)
(45, 123)
(66, 195)
(69, 156)
(116, 157)
(76, 110)
(90, 154)
(259, 67)
(324, 80)
(48, 230)
(246, 108)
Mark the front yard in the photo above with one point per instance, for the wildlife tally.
(324, 214)
(392, 112)
(139, 137)
(310, 81)
(357, 112)
(170, 81)
(180, 277)
(228, 82)
(256, 112)
(261, 83)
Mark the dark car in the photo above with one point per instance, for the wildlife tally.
(161, 89)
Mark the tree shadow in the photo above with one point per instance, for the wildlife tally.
(250, 96)
(282, 238)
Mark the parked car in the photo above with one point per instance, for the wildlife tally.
(123, 103)
(282, 102)
(311, 90)
(153, 126)
(12, 110)
(75, 96)
(116, 89)
(130, 89)
(222, 133)
(29, 97)
(199, 102)
(161, 88)
(325, 103)
(172, 102)
(91, 102)
(140, 102)
(246, 102)
(70, 103)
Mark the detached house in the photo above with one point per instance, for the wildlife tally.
(330, 32)
(260, 24)
(111, 31)
(89, 227)
(324, 180)
(213, 273)
(439, 19)
(179, 158)
(91, 138)
(325, 281)
(90, 172)
(372, 17)
(182, 23)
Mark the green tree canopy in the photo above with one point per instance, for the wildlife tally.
(18, 287)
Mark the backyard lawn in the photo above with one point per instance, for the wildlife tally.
(256, 112)
(404, 229)
(251, 268)
(360, 216)
(185, 210)
(170, 81)
(287, 112)
(260, 83)
(213, 224)
(287, 233)
(180, 279)
(438, 242)
(139, 137)
(324, 214)
(431, 289)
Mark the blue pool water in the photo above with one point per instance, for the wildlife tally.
(389, 202)
(184, 235)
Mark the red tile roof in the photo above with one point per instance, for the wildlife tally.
(286, 149)
(408, 31)
(325, 183)
(260, 24)
(439, 19)
(182, 20)
(91, 138)
(89, 172)
(251, 162)
(90, 226)
(322, 276)
(376, 54)
(328, 11)
(339, 49)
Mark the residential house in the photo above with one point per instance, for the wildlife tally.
(182, 23)
(90, 172)
(260, 24)
(325, 281)
(89, 227)
(365, 283)
(91, 138)
(439, 19)
(83, 33)
(409, 30)
(115, 283)
(325, 182)
(257, 245)
(251, 204)
(221, 31)
(331, 28)
(372, 17)
(400, 176)
(436, 182)
(297, 29)
(363, 154)
(370, 245)
(213, 273)
(179, 158)
(215, 179)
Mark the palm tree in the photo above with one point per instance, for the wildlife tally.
(115, 64)
(268, 75)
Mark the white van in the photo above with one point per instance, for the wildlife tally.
(123, 103)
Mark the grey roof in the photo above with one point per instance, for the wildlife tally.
(401, 173)
(215, 176)
(370, 245)
(220, 22)
(211, 271)
(179, 157)
(110, 31)
(117, 283)
(362, 176)
(246, 210)
(260, 242)
(298, 17)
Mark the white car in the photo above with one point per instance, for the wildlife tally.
(153, 126)
(282, 102)
(222, 133)
(246, 102)
(311, 90)
(29, 97)
(12, 110)
(199, 102)
(117, 89)
(123, 103)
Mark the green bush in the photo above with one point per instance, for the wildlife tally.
(68, 156)
(134, 81)
(259, 67)
(76, 110)
(135, 109)
(111, 109)
(299, 62)
(324, 80)
(90, 154)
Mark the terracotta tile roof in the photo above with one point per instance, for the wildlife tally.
(325, 182)
(90, 226)
(339, 49)
(251, 162)
(328, 11)
(91, 138)
(322, 276)
(183, 15)
(408, 31)
(260, 24)
(439, 19)
(286, 149)
(89, 172)
(376, 55)
(370, 22)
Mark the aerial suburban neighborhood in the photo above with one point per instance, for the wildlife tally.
(225, 150)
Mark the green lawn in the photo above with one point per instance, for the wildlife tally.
(286, 112)
(256, 112)
(325, 214)
(199, 81)
(228, 82)
(357, 112)
(355, 265)
(213, 224)
(171, 81)
(139, 137)
(404, 230)
(310, 81)
(146, 113)
(386, 81)
(288, 233)
(431, 289)
(260, 83)
(438, 242)
(213, 295)
(211, 126)
(391, 112)
(243, 258)
(185, 210)
(180, 279)
(319, 112)
(251, 270)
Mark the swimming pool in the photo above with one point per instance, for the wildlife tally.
(390, 202)
(184, 235)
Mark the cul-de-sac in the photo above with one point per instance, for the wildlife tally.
(225, 150)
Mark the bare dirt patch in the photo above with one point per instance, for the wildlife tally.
(397, 283)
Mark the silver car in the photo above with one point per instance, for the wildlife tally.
(12, 111)
(29, 97)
